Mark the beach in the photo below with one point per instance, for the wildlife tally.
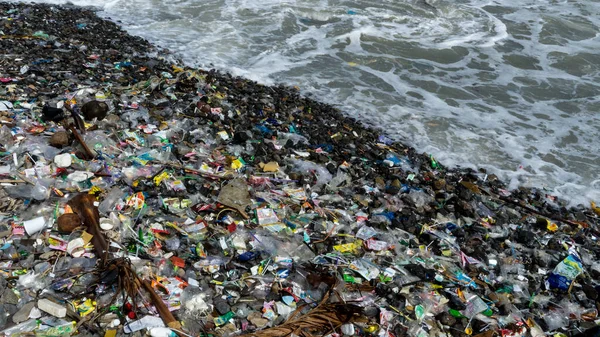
(235, 196)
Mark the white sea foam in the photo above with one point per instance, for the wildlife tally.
(510, 86)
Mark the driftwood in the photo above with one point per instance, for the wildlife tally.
(89, 154)
(84, 205)
(160, 306)
(321, 320)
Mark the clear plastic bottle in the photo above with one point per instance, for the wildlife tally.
(21, 328)
(109, 202)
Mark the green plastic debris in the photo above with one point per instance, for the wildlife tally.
(222, 320)
(41, 35)
(434, 163)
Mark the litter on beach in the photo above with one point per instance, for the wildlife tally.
(140, 196)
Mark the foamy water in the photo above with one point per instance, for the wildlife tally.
(510, 86)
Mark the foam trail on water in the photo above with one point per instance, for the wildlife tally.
(510, 86)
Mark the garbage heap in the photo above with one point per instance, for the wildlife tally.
(141, 196)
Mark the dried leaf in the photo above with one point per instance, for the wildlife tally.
(472, 187)
(595, 208)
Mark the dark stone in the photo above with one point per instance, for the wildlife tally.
(239, 137)
(221, 306)
(59, 139)
(331, 168)
(590, 291)
(52, 114)
(94, 109)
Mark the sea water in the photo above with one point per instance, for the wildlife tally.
(512, 86)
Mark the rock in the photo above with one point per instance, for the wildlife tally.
(52, 114)
(331, 168)
(239, 137)
(6, 311)
(3, 284)
(9, 297)
(23, 314)
(59, 139)
(94, 109)
(439, 184)
(52, 308)
(256, 319)
(221, 306)
(590, 292)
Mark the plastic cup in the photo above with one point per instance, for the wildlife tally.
(34, 225)
(106, 224)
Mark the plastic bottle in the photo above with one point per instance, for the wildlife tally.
(26, 326)
(110, 200)
(40, 192)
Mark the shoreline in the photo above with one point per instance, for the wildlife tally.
(235, 125)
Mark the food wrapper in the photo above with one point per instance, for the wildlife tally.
(351, 248)
(565, 273)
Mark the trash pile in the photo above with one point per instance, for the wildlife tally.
(140, 196)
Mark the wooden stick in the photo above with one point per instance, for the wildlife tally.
(84, 205)
(11, 181)
(19, 175)
(163, 311)
(89, 154)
